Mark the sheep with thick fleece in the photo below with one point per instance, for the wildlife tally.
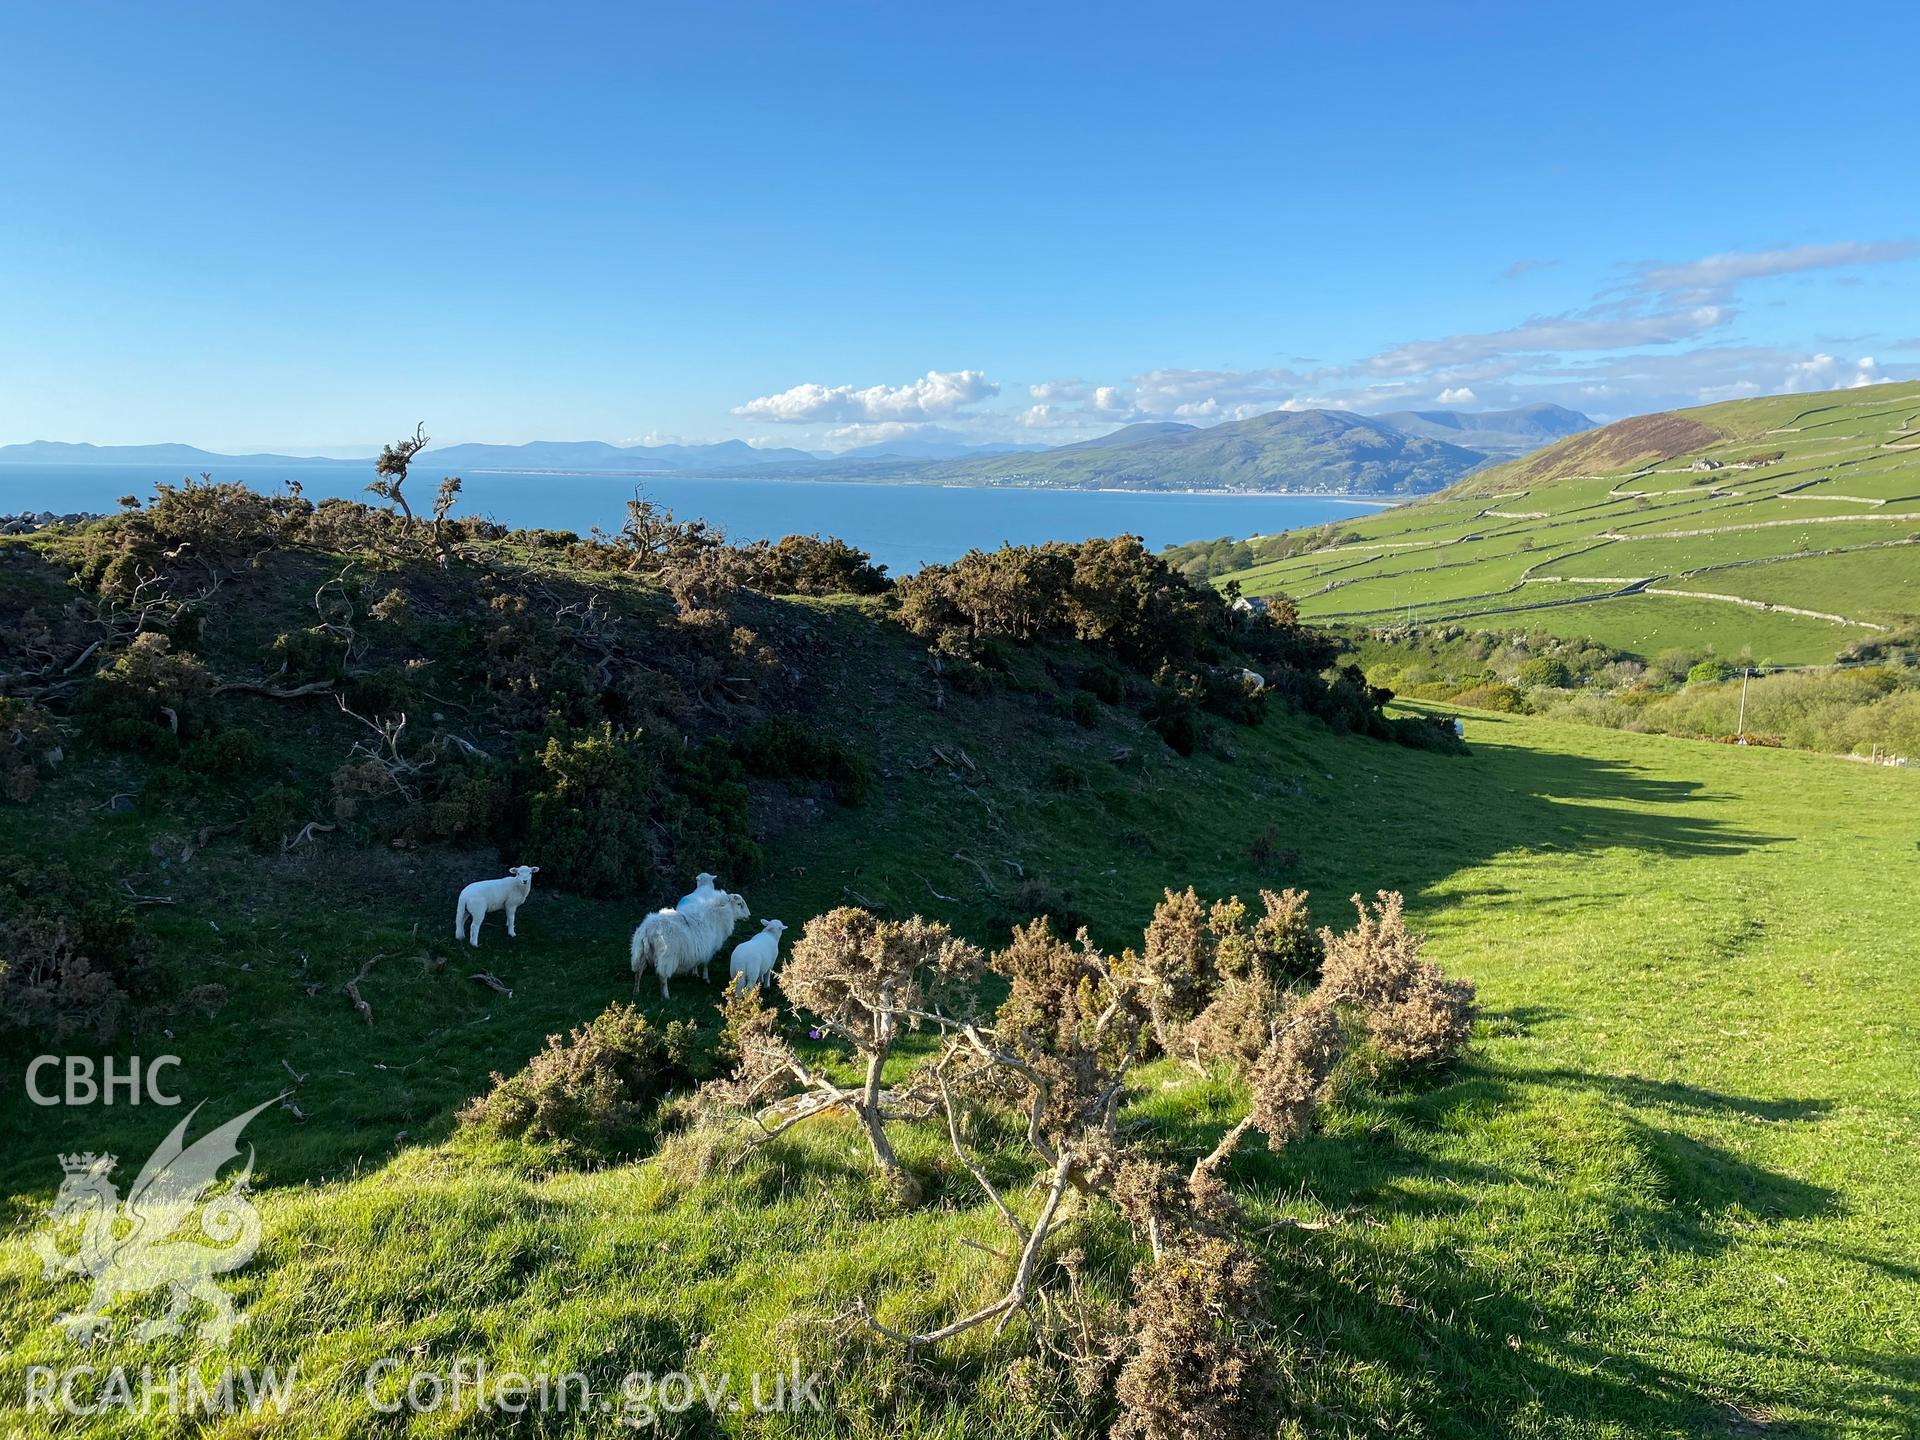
(483, 897)
(702, 891)
(675, 942)
(753, 960)
(1254, 680)
(719, 911)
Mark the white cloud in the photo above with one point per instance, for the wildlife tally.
(1051, 391)
(936, 394)
(1659, 339)
(1600, 328)
(1717, 274)
(1165, 392)
(1827, 372)
(845, 437)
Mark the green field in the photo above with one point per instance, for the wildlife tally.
(1672, 1192)
(1809, 503)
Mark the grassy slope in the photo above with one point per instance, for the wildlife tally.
(1619, 504)
(1672, 1193)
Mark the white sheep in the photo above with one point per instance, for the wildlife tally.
(1253, 679)
(671, 941)
(702, 890)
(753, 960)
(675, 942)
(483, 897)
(719, 911)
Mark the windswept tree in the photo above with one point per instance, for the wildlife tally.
(391, 470)
(863, 981)
(443, 502)
(1060, 1054)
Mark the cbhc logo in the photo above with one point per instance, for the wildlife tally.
(88, 1084)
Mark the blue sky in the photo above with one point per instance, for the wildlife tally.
(306, 227)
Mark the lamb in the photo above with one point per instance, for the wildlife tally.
(753, 960)
(675, 942)
(483, 897)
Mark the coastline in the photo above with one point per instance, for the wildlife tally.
(1339, 497)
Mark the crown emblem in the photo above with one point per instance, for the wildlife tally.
(88, 1163)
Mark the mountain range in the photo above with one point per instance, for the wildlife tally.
(1314, 451)
(1297, 450)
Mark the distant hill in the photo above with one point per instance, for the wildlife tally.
(1132, 435)
(1323, 451)
(1333, 452)
(1784, 528)
(61, 452)
(1498, 432)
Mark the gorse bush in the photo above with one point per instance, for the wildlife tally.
(29, 745)
(1110, 594)
(73, 962)
(590, 794)
(1055, 1063)
(596, 1088)
(151, 697)
(606, 812)
(1192, 1370)
(1219, 979)
(787, 749)
(1413, 1014)
(808, 565)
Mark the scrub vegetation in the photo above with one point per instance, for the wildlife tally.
(1585, 1117)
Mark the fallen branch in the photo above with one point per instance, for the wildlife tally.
(273, 692)
(1002, 1309)
(964, 858)
(144, 899)
(492, 982)
(83, 657)
(352, 989)
(307, 832)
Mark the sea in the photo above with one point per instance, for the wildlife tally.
(903, 526)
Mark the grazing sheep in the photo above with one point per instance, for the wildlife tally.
(671, 941)
(483, 897)
(753, 960)
(1255, 679)
(675, 942)
(719, 911)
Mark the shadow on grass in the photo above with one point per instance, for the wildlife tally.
(1513, 1318)
(1677, 1095)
